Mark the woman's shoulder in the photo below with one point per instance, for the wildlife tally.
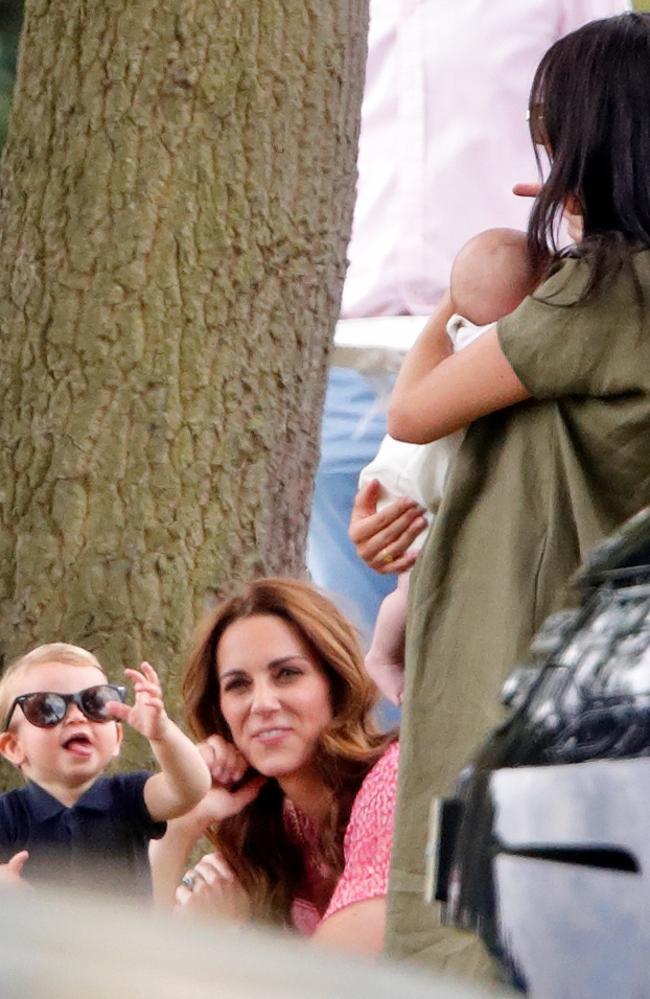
(562, 342)
(369, 836)
(386, 765)
(568, 279)
(380, 783)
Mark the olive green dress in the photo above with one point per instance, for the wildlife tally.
(534, 487)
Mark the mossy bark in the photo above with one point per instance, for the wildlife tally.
(175, 203)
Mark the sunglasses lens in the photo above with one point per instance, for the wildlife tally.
(95, 699)
(44, 709)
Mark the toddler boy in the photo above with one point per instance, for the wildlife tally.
(491, 275)
(61, 727)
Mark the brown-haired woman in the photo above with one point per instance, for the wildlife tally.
(277, 690)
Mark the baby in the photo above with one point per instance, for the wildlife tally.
(491, 275)
(61, 728)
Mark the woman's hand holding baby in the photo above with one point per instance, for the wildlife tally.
(382, 539)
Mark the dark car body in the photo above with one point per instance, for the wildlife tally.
(545, 850)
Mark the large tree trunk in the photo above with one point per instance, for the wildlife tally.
(176, 198)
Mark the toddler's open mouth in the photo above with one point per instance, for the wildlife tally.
(78, 743)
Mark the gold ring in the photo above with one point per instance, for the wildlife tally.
(386, 558)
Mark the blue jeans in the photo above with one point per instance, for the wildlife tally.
(354, 423)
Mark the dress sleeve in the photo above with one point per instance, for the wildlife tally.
(369, 837)
(561, 344)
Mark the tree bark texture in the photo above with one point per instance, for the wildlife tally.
(175, 203)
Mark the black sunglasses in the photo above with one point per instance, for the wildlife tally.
(45, 709)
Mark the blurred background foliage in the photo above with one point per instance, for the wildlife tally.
(11, 13)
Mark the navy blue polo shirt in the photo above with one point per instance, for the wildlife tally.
(98, 844)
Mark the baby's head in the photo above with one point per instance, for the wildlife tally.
(54, 725)
(491, 275)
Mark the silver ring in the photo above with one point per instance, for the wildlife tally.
(188, 880)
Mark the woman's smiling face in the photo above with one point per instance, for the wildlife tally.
(273, 694)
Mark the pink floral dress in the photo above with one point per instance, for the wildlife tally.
(366, 848)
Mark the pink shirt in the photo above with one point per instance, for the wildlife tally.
(444, 137)
(366, 848)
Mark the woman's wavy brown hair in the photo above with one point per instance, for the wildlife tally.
(256, 843)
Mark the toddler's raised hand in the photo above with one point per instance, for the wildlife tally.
(147, 715)
(11, 872)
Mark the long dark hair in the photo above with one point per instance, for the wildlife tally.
(256, 842)
(590, 106)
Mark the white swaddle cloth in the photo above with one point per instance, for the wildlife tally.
(420, 471)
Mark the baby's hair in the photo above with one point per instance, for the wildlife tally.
(491, 275)
(55, 652)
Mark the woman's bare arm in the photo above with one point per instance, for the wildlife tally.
(357, 929)
(168, 859)
(168, 856)
(438, 392)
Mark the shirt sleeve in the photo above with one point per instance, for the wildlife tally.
(131, 791)
(561, 344)
(369, 836)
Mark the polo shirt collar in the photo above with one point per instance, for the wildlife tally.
(45, 806)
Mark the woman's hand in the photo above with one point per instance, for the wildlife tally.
(227, 766)
(225, 763)
(221, 803)
(572, 213)
(169, 855)
(382, 539)
(527, 189)
(210, 889)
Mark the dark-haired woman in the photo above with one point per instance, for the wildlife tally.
(277, 689)
(558, 451)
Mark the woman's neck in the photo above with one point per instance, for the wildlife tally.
(309, 793)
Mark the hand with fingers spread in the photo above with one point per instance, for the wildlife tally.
(184, 776)
(383, 538)
(211, 889)
(11, 872)
(147, 715)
